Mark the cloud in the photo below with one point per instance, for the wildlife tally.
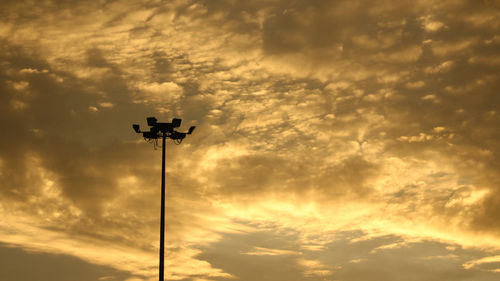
(483, 261)
(45, 267)
(260, 251)
(314, 268)
(312, 118)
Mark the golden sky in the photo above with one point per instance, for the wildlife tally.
(341, 140)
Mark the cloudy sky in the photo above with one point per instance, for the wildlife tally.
(336, 140)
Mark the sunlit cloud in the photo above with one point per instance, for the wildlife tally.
(260, 251)
(353, 127)
(483, 261)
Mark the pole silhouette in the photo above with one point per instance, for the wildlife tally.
(163, 131)
(162, 222)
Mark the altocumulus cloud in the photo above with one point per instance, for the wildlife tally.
(335, 138)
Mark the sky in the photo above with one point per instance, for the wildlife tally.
(343, 140)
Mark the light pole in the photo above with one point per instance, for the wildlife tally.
(163, 131)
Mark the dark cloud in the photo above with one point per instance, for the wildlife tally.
(345, 259)
(352, 101)
(22, 265)
(432, 260)
(232, 255)
(55, 130)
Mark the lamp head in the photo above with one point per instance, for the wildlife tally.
(191, 129)
(176, 122)
(136, 128)
(151, 135)
(151, 121)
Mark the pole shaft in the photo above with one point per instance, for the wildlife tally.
(162, 223)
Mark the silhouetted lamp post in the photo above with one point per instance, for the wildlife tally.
(163, 131)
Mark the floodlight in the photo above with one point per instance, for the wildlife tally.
(136, 128)
(150, 135)
(176, 122)
(151, 121)
(164, 127)
(191, 129)
(178, 136)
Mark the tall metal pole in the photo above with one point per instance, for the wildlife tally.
(162, 130)
(162, 223)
